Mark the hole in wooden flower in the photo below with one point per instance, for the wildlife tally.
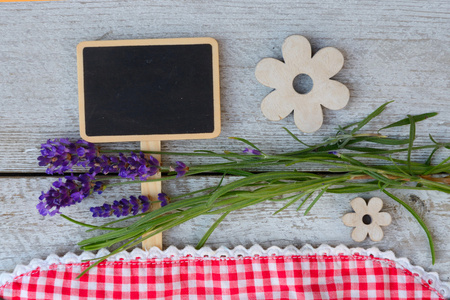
(302, 84)
(367, 219)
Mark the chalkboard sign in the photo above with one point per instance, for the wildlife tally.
(140, 90)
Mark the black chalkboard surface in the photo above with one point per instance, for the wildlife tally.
(137, 90)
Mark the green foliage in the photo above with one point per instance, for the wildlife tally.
(347, 173)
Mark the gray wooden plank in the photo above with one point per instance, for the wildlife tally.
(38, 236)
(393, 50)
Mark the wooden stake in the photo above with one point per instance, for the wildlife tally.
(151, 190)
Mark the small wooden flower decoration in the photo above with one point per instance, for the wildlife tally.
(367, 219)
(298, 62)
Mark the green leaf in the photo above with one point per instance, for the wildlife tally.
(224, 156)
(397, 166)
(348, 126)
(295, 137)
(386, 141)
(304, 200)
(316, 199)
(353, 189)
(202, 242)
(87, 225)
(252, 179)
(381, 178)
(246, 142)
(437, 166)
(240, 204)
(412, 137)
(432, 139)
(237, 172)
(352, 161)
(428, 162)
(295, 199)
(436, 185)
(367, 119)
(419, 220)
(407, 121)
(220, 182)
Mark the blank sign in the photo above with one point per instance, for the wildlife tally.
(160, 89)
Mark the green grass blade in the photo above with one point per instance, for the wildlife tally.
(397, 166)
(352, 161)
(246, 142)
(87, 225)
(252, 179)
(353, 189)
(350, 125)
(407, 121)
(295, 137)
(367, 119)
(295, 199)
(437, 166)
(432, 139)
(192, 193)
(316, 199)
(419, 220)
(436, 185)
(412, 137)
(224, 156)
(386, 141)
(202, 242)
(428, 162)
(236, 172)
(304, 200)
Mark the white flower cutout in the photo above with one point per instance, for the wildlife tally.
(273, 73)
(367, 219)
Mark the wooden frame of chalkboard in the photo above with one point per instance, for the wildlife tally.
(149, 90)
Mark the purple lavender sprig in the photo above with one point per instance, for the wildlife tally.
(60, 155)
(164, 199)
(67, 193)
(127, 166)
(181, 168)
(122, 208)
(252, 151)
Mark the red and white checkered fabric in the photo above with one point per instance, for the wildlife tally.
(257, 277)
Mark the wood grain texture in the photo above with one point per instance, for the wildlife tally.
(151, 190)
(40, 236)
(392, 50)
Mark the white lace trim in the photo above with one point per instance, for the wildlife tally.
(432, 278)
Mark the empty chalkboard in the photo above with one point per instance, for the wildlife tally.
(139, 90)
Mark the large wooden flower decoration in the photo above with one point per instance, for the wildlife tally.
(297, 62)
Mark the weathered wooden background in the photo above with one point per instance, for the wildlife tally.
(394, 50)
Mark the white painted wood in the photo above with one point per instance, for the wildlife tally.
(392, 50)
(39, 236)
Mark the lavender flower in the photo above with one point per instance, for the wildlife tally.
(181, 168)
(164, 199)
(67, 193)
(122, 208)
(252, 151)
(128, 167)
(334, 153)
(61, 155)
